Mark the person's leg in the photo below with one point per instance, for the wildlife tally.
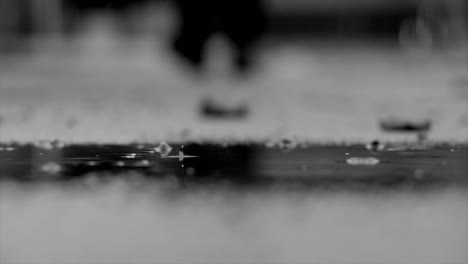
(243, 33)
(196, 25)
(241, 22)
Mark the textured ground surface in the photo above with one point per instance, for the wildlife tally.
(102, 89)
(99, 90)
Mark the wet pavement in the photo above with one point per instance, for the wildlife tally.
(236, 197)
(285, 162)
(103, 89)
(248, 202)
(281, 202)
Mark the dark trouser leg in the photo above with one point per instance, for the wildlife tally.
(189, 48)
(243, 32)
(196, 24)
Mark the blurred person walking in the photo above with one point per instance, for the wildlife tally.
(240, 22)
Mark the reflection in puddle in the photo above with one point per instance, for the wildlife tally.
(242, 163)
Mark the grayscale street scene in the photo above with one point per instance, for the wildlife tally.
(248, 131)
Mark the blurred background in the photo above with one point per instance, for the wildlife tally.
(299, 18)
(93, 72)
(336, 18)
(325, 70)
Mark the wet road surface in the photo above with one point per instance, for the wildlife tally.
(243, 163)
(278, 202)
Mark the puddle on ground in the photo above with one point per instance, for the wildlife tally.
(232, 202)
(243, 163)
